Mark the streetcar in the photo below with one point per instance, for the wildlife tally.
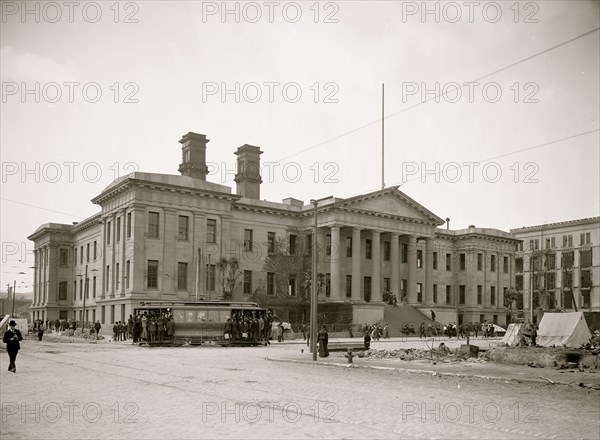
(203, 322)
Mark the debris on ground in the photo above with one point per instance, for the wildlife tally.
(442, 354)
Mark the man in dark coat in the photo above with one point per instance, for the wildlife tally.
(11, 338)
(323, 339)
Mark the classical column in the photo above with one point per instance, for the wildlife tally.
(123, 264)
(395, 266)
(356, 260)
(429, 271)
(411, 288)
(335, 262)
(376, 270)
(35, 281)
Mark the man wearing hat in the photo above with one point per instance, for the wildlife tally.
(12, 336)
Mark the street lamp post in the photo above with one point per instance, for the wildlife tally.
(313, 294)
(14, 292)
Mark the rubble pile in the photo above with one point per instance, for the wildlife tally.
(440, 354)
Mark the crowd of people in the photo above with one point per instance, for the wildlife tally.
(152, 326)
(251, 326)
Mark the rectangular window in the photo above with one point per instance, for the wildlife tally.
(128, 224)
(328, 244)
(493, 295)
(81, 255)
(95, 251)
(271, 243)
(419, 258)
(448, 262)
(387, 286)
(404, 252)
(349, 247)
(585, 258)
(87, 288)
(367, 288)
(103, 314)
(479, 262)
(448, 295)
(588, 238)
(75, 290)
(328, 285)
(570, 240)
(386, 250)
(81, 289)
(435, 293)
(548, 243)
(183, 229)
(211, 231)
(270, 283)
(435, 261)
(550, 262)
(94, 287)
(348, 286)
(309, 244)
(505, 264)
(107, 279)
(182, 276)
(518, 265)
(292, 244)
(248, 239)
(107, 232)
(117, 275)
(564, 244)
(152, 274)
(247, 282)
(63, 258)
(419, 292)
(210, 277)
(292, 285)
(536, 244)
(62, 291)
(118, 231)
(492, 263)
(461, 294)
(550, 281)
(153, 224)
(87, 253)
(112, 314)
(553, 242)
(127, 273)
(368, 248)
(403, 288)
(463, 261)
(479, 294)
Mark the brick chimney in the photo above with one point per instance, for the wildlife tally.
(193, 147)
(248, 177)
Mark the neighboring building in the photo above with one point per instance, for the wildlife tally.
(161, 236)
(561, 260)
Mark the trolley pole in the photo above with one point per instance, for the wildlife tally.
(313, 293)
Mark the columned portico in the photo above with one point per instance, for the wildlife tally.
(335, 263)
(356, 260)
(429, 271)
(376, 268)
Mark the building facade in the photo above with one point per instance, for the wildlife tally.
(161, 236)
(558, 265)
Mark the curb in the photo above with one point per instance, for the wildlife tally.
(423, 372)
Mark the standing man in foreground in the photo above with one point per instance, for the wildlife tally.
(12, 336)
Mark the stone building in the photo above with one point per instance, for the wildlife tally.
(558, 265)
(161, 236)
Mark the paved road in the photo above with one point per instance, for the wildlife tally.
(106, 391)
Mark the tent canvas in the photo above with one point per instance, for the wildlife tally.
(568, 329)
(511, 337)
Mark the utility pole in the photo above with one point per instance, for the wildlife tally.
(313, 293)
(14, 292)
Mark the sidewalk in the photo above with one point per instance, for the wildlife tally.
(472, 368)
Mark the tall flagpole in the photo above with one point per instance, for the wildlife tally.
(382, 135)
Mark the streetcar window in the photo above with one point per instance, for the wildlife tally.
(178, 315)
(190, 316)
(224, 315)
(213, 316)
(201, 315)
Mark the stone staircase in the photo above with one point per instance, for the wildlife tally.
(396, 317)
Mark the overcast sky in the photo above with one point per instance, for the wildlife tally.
(308, 78)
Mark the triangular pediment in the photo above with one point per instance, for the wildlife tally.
(391, 201)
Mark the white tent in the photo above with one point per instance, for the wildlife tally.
(512, 335)
(568, 329)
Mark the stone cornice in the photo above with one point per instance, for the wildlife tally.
(130, 183)
(568, 223)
